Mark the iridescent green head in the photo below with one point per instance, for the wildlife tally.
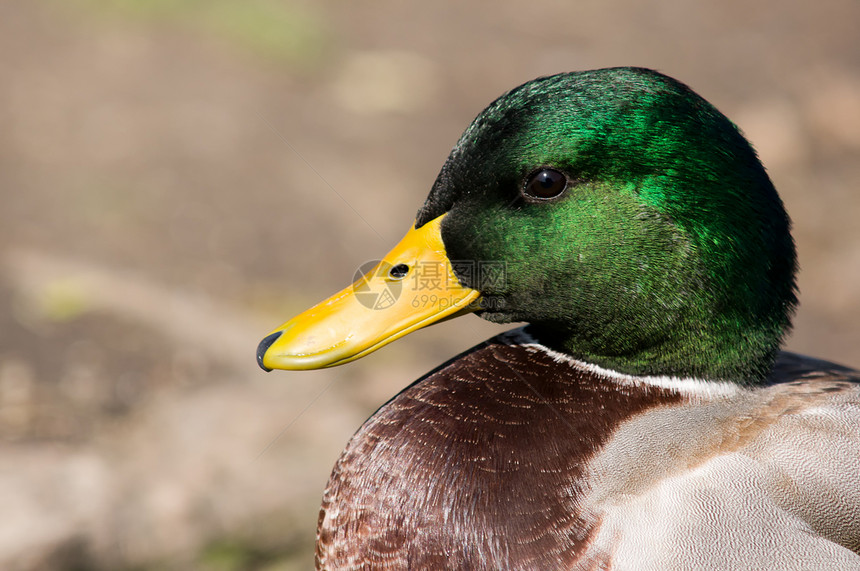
(638, 229)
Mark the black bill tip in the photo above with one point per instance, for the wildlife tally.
(264, 346)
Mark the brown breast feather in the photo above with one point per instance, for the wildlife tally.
(477, 466)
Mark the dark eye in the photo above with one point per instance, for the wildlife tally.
(545, 184)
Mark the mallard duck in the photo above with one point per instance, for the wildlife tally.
(645, 418)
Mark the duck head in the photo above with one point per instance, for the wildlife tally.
(615, 210)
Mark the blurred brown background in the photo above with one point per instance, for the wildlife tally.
(178, 177)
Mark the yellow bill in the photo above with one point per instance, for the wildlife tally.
(413, 286)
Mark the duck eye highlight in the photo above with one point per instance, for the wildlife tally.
(544, 184)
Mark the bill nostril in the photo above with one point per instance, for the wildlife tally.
(399, 271)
